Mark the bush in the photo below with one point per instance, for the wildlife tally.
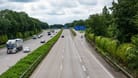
(91, 37)
(73, 32)
(134, 40)
(112, 47)
(122, 52)
(132, 57)
(97, 41)
(107, 45)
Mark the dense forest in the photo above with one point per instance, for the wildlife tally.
(18, 25)
(54, 26)
(115, 32)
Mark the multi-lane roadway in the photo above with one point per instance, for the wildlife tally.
(8, 60)
(72, 57)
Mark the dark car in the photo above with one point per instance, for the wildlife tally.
(48, 33)
(62, 36)
(34, 37)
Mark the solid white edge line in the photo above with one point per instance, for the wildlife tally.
(61, 67)
(88, 76)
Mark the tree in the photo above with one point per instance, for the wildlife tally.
(123, 12)
(18, 24)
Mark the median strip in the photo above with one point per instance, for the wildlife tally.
(24, 67)
(73, 32)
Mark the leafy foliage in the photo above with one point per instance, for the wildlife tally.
(18, 24)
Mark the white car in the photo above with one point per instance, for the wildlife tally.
(26, 49)
(42, 41)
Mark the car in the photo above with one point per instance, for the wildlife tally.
(81, 36)
(42, 41)
(48, 33)
(62, 36)
(26, 49)
(41, 35)
(34, 37)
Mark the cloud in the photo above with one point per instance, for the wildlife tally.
(63, 3)
(56, 11)
(52, 12)
(88, 2)
(21, 0)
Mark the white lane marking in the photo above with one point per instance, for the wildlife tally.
(83, 67)
(62, 57)
(61, 67)
(88, 76)
(80, 60)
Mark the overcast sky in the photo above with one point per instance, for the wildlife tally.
(56, 11)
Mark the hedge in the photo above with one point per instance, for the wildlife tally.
(73, 32)
(24, 67)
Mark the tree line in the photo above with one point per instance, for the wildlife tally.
(115, 31)
(18, 25)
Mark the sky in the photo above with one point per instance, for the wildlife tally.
(56, 11)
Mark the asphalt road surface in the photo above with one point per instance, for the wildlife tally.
(71, 57)
(8, 60)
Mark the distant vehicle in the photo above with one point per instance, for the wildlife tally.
(34, 37)
(14, 45)
(41, 35)
(52, 31)
(81, 36)
(26, 49)
(42, 41)
(62, 36)
(48, 33)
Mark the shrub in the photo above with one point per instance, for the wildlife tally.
(73, 32)
(97, 40)
(122, 52)
(134, 39)
(91, 37)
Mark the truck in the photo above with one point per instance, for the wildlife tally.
(14, 45)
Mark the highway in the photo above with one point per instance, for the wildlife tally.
(72, 57)
(8, 60)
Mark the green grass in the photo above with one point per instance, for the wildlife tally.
(81, 31)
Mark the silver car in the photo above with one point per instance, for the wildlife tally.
(26, 49)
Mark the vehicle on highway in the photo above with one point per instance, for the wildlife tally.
(62, 36)
(41, 35)
(53, 31)
(34, 37)
(42, 41)
(26, 49)
(81, 36)
(48, 33)
(14, 45)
